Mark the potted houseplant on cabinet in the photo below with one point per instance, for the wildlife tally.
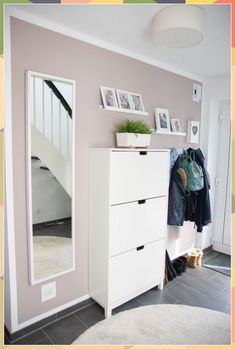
(133, 134)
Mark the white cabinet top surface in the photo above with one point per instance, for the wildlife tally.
(131, 150)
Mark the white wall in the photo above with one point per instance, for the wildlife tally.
(215, 91)
(7, 291)
(50, 201)
(180, 239)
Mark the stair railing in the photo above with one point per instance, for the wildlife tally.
(57, 134)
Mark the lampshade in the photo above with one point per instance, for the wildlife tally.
(179, 26)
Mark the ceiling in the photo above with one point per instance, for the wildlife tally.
(129, 28)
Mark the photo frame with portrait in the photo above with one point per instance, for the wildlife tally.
(137, 102)
(109, 97)
(124, 100)
(162, 119)
(175, 125)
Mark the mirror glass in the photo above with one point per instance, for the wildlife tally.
(50, 175)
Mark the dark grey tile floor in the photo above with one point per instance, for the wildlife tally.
(200, 287)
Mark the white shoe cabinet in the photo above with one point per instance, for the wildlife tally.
(128, 199)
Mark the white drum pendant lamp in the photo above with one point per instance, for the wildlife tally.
(179, 26)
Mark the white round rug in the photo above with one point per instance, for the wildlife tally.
(161, 324)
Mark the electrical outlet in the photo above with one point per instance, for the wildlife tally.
(48, 291)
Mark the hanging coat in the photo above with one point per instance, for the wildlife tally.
(177, 195)
(202, 199)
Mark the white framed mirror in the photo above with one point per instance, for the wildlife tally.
(50, 175)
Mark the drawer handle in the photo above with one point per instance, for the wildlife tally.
(140, 202)
(140, 248)
(143, 153)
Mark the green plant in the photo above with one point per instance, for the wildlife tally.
(131, 126)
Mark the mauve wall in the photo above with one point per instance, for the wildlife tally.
(37, 49)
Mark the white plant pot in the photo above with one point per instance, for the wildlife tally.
(133, 140)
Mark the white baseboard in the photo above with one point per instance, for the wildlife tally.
(181, 253)
(50, 312)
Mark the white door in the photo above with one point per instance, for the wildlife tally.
(222, 208)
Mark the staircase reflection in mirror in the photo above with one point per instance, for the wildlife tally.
(50, 164)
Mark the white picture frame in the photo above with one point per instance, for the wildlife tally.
(137, 102)
(197, 92)
(162, 119)
(175, 125)
(124, 100)
(109, 98)
(193, 134)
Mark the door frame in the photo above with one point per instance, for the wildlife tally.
(217, 238)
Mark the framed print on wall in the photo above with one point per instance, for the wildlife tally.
(197, 92)
(124, 100)
(175, 125)
(193, 132)
(162, 119)
(136, 101)
(108, 97)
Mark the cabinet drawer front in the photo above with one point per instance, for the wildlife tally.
(135, 176)
(137, 223)
(131, 271)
